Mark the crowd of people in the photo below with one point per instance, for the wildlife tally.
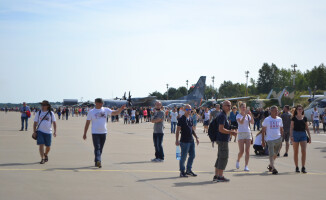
(275, 127)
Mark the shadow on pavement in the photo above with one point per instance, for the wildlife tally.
(322, 149)
(130, 163)
(264, 174)
(183, 184)
(159, 179)
(75, 169)
(18, 164)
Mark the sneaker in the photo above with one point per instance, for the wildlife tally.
(270, 169)
(154, 160)
(215, 179)
(159, 160)
(222, 179)
(246, 169)
(274, 171)
(21, 130)
(191, 173)
(183, 175)
(303, 170)
(99, 164)
(297, 170)
(286, 155)
(278, 155)
(237, 165)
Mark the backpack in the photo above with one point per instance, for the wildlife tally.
(213, 130)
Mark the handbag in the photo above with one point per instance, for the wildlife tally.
(35, 138)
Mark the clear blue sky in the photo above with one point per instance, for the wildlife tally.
(92, 48)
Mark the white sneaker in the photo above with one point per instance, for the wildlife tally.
(237, 165)
(246, 169)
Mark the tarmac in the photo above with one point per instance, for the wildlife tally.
(127, 172)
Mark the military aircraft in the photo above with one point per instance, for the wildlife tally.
(194, 98)
(281, 97)
(320, 103)
(312, 96)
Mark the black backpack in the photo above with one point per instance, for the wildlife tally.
(213, 130)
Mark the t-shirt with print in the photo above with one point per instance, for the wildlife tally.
(186, 129)
(158, 127)
(315, 115)
(98, 118)
(243, 128)
(273, 126)
(46, 124)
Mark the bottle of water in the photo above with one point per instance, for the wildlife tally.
(178, 153)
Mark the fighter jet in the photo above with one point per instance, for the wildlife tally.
(194, 98)
(319, 102)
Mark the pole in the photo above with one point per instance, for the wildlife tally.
(187, 85)
(294, 71)
(247, 75)
(167, 91)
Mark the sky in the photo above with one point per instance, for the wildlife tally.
(86, 49)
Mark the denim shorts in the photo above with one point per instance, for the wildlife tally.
(206, 123)
(44, 138)
(299, 136)
(315, 123)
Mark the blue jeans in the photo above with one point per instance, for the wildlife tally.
(257, 123)
(185, 149)
(98, 142)
(26, 122)
(173, 125)
(158, 140)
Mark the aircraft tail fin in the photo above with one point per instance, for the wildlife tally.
(198, 92)
(269, 94)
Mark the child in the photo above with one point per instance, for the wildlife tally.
(259, 150)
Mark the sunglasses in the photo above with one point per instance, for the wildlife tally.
(187, 109)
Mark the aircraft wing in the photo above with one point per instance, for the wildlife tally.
(308, 96)
(239, 98)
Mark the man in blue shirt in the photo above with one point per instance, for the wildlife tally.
(223, 138)
(24, 116)
(187, 144)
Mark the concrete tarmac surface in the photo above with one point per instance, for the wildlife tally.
(127, 172)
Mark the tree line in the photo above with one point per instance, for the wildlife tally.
(269, 76)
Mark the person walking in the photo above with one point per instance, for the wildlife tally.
(286, 118)
(315, 119)
(214, 112)
(145, 114)
(174, 120)
(98, 117)
(324, 120)
(24, 116)
(244, 119)
(206, 120)
(298, 133)
(222, 139)
(194, 119)
(42, 130)
(187, 144)
(158, 119)
(273, 129)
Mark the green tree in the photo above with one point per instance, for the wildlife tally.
(268, 78)
(317, 77)
(210, 92)
(228, 89)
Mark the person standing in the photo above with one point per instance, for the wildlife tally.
(187, 144)
(273, 129)
(174, 120)
(59, 112)
(24, 118)
(42, 130)
(98, 117)
(194, 116)
(67, 113)
(256, 114)
(244, 119)
(158, 119)
(315, 119)
(286, 118)
(299, 127)
(233, 121)
(214, 112)
(145, 114)
(206, 120)
(223, 137)
(324, 120)
(141, 114)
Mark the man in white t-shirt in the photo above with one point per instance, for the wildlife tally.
(43, 129)
(273, 128)
(98, 117)
(315, 119)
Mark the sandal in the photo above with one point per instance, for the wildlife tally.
(270, 169)
(46, 158)
(42, 161)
